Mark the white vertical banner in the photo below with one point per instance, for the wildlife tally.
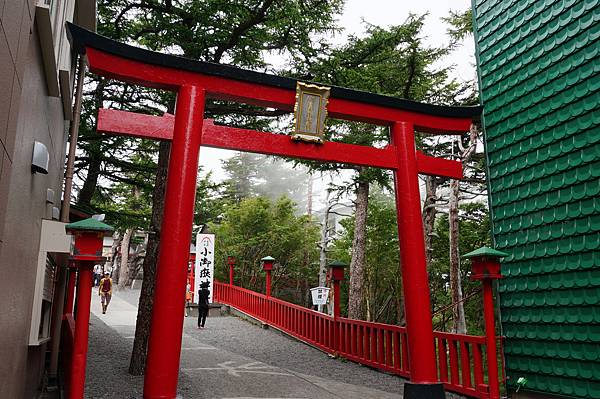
(204, 269)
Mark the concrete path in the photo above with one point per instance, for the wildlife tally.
(230, 359)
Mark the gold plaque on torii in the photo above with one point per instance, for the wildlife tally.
(310, 112)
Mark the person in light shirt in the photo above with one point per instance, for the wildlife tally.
(105, 291)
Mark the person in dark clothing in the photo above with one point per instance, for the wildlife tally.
(203, 295)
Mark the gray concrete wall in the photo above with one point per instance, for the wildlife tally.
(26, 114)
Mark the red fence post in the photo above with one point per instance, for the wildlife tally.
(422, 359)
(485, 263)
(231, 263)
(164, 346)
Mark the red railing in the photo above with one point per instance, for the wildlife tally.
(460, 357)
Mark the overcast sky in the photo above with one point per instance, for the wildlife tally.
(385, 13)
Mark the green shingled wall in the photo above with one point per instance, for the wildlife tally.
(539, 70)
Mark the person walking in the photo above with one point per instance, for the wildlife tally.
(97, 274)
(203, 294)
(188, 299)
(105, 291)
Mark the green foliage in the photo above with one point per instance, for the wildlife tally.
(382, 277)
(237, 32)
(210, 205)
(251, 175)
(241, 33)
(461, 24)
(393, 61)
(242, 176)
(257, 227)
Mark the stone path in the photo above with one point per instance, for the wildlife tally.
(230, 359)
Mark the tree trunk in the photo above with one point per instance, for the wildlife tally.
(368, 303)
(323, 243)
(358, 260)
(142, 326)
(459, 324)
(309, 194)
(124, 268)
(458, 313)
(91, 180)
(400, 308)
(429, 214)
(95, 157)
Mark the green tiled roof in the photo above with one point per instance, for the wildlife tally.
(337, 263)
(485, 251)
(89, 224)
(540, 85)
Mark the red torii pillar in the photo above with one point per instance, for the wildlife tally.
(164, 345)
(191, 80)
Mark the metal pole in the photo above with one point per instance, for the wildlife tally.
(490, 337)
(73, 133)
(82, 321)
(231, 266)
(164, 346)
(423, 369)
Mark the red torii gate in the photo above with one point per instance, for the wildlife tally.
(193, 80)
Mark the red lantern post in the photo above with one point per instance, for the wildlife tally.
(336, 273)
(231, 263)
(267, 263)
(485, 263)
(72, 270)
(88, 238)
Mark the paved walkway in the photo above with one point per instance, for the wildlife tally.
(231, 358)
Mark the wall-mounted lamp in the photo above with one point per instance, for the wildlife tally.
(40, 159)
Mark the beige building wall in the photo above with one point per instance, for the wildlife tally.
(27, 114)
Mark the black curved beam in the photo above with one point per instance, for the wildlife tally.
(81, 38)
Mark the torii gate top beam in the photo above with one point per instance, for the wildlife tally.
(112, 121)
(148, 68)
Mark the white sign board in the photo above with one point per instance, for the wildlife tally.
(204, 268)
(320, 295)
